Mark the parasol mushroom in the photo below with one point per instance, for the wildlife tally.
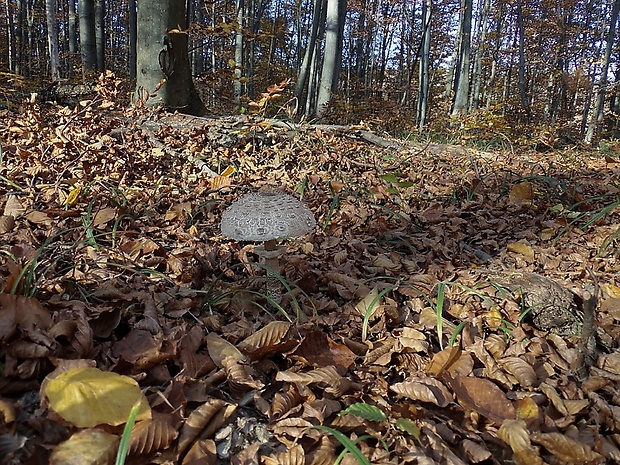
(265, 217)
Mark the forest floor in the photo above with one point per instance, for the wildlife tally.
(440, 312)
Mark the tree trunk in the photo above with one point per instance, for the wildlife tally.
(133, 33)
(597, 113)
(100, 33)
(332, 60)
(480, 50)
(462, 86)
(73, 35)
(424, 63)
(239, 43)
(52, 38)
(303, 79)
(88, 47)
(163, 72)
(522, 90)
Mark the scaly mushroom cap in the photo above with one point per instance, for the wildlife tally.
(263, 216)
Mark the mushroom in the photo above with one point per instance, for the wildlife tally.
(265, 217)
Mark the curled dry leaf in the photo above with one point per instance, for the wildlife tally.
(203, 452)
(219, 349)
(566, 449)
(515, 434)
(293, 456)
(152, 435)
(324, 453)
(240, 377)
(424, 389)
(495, 344)
(326, 375)
(520, 369)
(266, 336)
(283, 402)
(475, 452)
(205, 421)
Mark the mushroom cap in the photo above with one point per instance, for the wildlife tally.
(263, 216)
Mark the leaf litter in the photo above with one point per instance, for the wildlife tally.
(418, 298)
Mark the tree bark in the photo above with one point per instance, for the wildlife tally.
(163, 72)
(332, 60)
(52, 38)
(424, 77)
(73, 35)
(462, 86)
(133, 34)
(597, 113)
(88, 48)
(100, 33)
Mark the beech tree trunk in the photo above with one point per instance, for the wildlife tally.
(100, 33)
(88, 48)
(52, 38)
(462, 85)
(163, 71)
(332, 59)
(424, 77)
(597, 114)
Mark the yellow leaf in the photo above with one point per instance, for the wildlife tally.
(369, 303)
(87, 397)
(220, 181)
(521, 248)
(230, 169)
(92, 446)
(73, 196)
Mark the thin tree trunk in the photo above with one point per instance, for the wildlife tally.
(52, 38)
(73, 34)
(521, 74)
(462, 86)
(597, 114)
(424, 63)
(100, 33)
(239, 45)
(133, 32)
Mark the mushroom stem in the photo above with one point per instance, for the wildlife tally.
(270, 253)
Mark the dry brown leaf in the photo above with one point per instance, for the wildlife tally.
(240, 377)
(293, 456)
(40, 218)
(520, 369)
(266, 336)
(475, 452)
(496, 345)
(424, 389)
(566, 449)
(151, 435)
(529, 411)
(7, 222)
(13, 207)
(323, 454)
(91, 446)
(482, 396)
(219, 349)
(520, 192)
(202, 452)
(326, 375)
(515, 434)
(283, 402)
(204, 421)
(104, 216)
